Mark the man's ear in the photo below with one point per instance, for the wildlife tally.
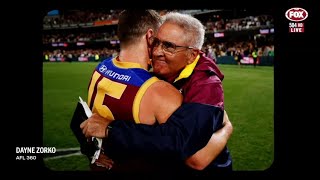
(149, 35)
(192, 55)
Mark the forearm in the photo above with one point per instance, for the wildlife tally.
(215, 146)
(202, 158)
(186, 131)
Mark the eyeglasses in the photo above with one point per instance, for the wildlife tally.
(168, 47)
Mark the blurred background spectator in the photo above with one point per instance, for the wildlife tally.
(90, 35)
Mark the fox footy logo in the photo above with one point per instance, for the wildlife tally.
(296, 14)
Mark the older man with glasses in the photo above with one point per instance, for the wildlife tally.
(177, 58)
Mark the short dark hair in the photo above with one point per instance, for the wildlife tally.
(133, 24)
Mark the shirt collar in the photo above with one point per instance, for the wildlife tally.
(187, 71)
(125, 65)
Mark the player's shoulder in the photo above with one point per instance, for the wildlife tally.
(163, 85)
(163, 89)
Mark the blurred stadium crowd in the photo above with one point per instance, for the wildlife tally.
(90, 35)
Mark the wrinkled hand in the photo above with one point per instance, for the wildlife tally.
(104, 161)
(95, 126)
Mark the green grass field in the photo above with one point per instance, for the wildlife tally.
(249, 101)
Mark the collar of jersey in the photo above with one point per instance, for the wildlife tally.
(125, 65)
(187, 71)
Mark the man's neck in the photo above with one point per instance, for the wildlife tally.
(171, 79)
(137, 54)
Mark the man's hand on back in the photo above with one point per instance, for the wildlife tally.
(95, 126)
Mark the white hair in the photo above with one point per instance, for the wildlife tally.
(194, 30)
